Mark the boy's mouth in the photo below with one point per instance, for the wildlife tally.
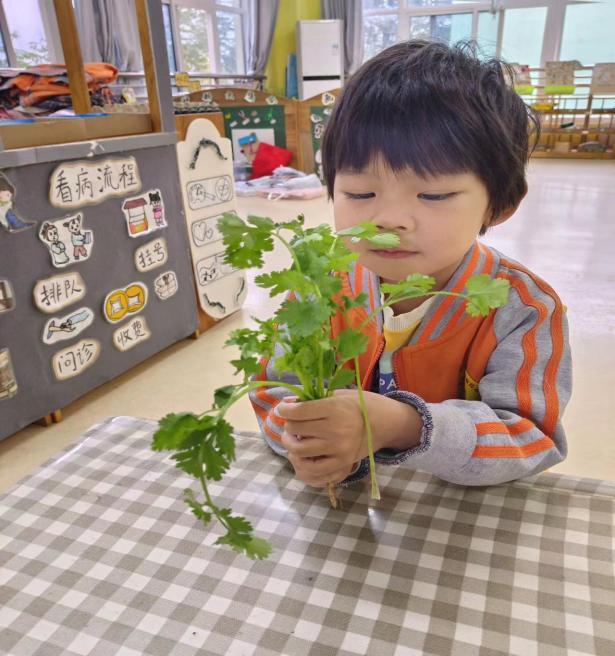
(394, 253)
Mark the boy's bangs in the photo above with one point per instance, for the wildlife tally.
(429, 145)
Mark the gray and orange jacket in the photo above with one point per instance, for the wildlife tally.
(491, 390)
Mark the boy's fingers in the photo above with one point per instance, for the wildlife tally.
(303, 411)
(320, 468)
(304, 447)
(309, 428)
(320, 482)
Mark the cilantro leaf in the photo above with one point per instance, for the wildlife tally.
(223, 439)
(175, 429)
(285, 281)
(197, 508)
(295, 225)
(342, 378)
(384, 239)
(413, 286)
(357, 301)
(245, 243)
(214, 463)
(350, 343)
(223, 394)
(239, 537)
(249, 366)
(302, 318)
(370, 232)
(485, 293)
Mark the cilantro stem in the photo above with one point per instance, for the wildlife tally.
(395, 299)
(317, 391)
(210, 504)
(368, 428)
(290, 250)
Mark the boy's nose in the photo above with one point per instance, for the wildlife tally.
(391, 227)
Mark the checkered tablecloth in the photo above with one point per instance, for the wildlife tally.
(100, 555)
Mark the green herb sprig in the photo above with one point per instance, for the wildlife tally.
(203, 445)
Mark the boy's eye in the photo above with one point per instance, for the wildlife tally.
(436, 196)
(359, 196)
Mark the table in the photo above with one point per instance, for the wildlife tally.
(99, 555)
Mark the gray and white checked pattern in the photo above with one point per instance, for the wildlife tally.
(99, 555)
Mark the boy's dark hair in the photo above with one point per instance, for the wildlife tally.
(436, 109)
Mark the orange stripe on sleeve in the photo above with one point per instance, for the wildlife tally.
(266, 398)
(498, 427)
(271, 434)
(523, 451)
(557, 340)
(528, 343)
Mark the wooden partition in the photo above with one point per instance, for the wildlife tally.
(312, 117)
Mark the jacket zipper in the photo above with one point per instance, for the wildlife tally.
(394, 362)
(372, 364)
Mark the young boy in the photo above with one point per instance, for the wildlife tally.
(431, 143)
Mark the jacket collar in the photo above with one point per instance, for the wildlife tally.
(447, 312)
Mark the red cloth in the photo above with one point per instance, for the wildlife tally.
(268, 158)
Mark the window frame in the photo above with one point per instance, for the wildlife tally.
(212, 8)
(50, 27)
(552, 37)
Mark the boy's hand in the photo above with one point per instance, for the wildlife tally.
(326, 438)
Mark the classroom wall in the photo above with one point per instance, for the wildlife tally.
(284, 40)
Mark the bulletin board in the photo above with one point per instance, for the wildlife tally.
(261, 111)
(95, 276)
(266, 122)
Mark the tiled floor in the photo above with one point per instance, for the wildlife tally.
(564, 230)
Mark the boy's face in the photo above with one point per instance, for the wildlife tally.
(5, 196)
(436, 219)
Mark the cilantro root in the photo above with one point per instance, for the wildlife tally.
(299, 337)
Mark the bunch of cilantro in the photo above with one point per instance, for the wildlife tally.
(203, 445)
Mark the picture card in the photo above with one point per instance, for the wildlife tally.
(59, 329)
(66, 240)
(129, 300)
(144, 213)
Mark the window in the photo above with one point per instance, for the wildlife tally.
(443, 27)
(26, 29)
(380, 32)
(487, 36)
(205, 36)
(4, 58)
(588, 33)
(523, 34)
(524, 31)
(230, 43)
(194, 42)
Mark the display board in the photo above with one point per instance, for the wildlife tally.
(95, 276)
